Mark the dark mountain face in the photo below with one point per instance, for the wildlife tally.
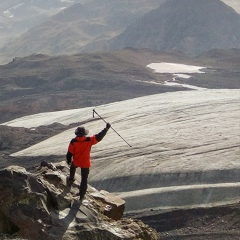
(191, 26)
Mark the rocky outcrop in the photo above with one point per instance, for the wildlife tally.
(40, 205)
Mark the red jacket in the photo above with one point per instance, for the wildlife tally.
(80, 147)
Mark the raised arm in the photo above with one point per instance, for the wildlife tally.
(102, 134)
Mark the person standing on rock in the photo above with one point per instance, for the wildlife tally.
(78, 155)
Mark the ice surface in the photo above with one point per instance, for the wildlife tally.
(180, 130)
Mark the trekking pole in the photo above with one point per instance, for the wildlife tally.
(94, 111)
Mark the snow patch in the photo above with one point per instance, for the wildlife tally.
(177, 70)
(182, 75)
(69, 1)
(164, 67)
(9, 12)
(47, 118)
(168, 83)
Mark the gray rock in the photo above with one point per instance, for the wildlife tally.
(40, 205)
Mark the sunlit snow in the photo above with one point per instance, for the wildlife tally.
(180, 122)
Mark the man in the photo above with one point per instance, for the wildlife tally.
(79, 149)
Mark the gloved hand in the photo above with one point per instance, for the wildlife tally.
(108, 125)
(69, 158)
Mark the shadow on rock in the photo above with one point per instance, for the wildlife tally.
(41, 205)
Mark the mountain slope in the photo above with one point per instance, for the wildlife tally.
(18, 16)
(89, 31)
(83, 27)
(187, 25)
(41, 83)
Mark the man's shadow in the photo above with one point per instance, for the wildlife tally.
(72, 217)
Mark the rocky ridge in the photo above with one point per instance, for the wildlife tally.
(40, 205)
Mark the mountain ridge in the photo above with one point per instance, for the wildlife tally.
(190, 26)
(104, 20)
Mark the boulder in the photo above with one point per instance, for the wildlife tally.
(113, 206)
(39, 204)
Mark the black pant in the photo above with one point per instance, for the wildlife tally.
(84, 174)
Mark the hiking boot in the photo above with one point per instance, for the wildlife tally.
(70, 181)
